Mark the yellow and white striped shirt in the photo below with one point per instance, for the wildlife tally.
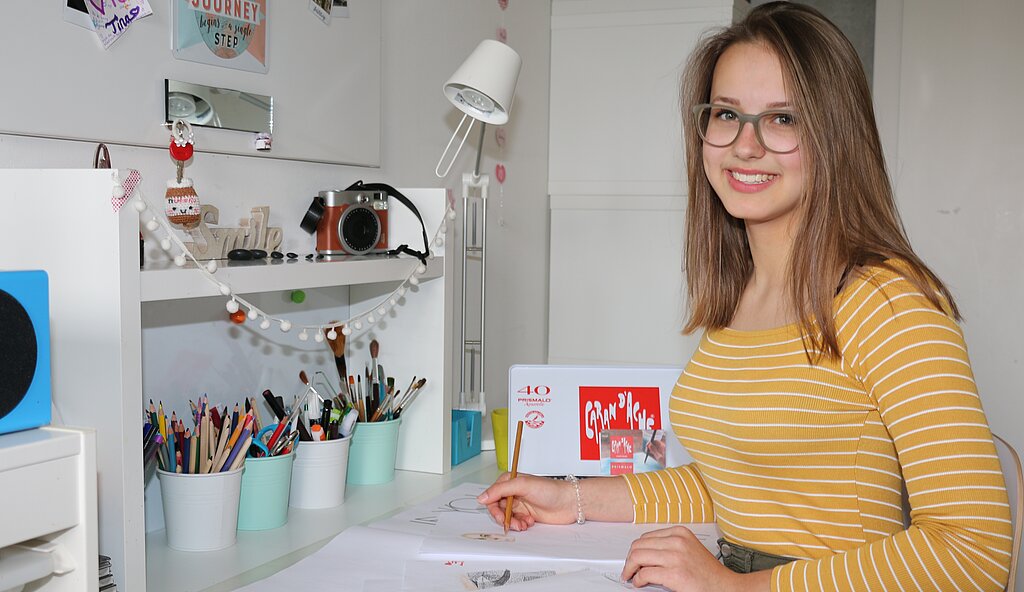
(807, 460)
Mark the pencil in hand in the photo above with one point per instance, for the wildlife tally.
(649, 444)
(515, 467)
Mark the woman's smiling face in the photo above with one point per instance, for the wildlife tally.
(755, 185)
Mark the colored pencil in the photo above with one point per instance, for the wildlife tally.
(515, 468)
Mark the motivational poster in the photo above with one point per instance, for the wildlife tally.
(228, 33)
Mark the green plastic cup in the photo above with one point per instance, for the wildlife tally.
(263, 502)
(371, 457)
(499, 425)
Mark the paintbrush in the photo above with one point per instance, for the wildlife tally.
(374, 353)
(410, 396)
(338, 349)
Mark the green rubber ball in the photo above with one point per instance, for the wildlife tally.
(298, 296)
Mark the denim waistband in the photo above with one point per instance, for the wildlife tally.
(742, 559)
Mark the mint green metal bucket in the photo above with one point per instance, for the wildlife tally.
(263, 503)
(371, 458)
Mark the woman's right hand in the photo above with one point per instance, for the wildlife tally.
(537, 500)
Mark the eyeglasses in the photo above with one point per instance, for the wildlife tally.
(720, 126)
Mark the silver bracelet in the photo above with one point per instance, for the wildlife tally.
(580, 518)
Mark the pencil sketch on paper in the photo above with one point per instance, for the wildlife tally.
(463, 504)
(489, 536)
(482, 580)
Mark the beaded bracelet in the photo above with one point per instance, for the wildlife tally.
(580, 519)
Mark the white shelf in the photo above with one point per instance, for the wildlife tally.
(166, 281)
(97, 297)
(258, 554)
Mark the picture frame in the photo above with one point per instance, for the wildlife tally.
(219, 33)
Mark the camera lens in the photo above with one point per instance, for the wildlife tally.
(360, 229)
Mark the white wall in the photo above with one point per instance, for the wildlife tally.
(948, 100)
(617, 178)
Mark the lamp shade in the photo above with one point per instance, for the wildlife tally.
(485, 84)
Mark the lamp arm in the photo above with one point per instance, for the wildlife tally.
(479, 150)
(437, 169)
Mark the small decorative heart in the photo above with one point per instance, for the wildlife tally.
(503, 4)
(502, 34)
(181, 153)
(499, 136)
(499, 173)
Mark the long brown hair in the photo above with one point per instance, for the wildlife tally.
(849, 217)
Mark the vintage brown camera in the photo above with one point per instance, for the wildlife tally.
(348, 222)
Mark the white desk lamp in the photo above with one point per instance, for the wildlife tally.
(483, 88)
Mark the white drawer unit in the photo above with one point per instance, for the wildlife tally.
(48, 518)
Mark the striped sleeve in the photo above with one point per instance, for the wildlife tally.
(912, 361)
(675, 495)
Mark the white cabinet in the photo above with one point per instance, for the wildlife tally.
(121, 335)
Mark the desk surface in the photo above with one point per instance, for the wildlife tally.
(257, 555)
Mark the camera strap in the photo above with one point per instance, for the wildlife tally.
(421, 255)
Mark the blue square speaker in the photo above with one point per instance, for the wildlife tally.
(24, 350)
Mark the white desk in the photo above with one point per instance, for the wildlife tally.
(257, 555)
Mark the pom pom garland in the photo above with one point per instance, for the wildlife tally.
(235, 304)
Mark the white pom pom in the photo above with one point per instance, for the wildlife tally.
(421, 269)
(332, 335)
(232, 306)
(393, 301)
(357, 325)
(346, 331)
(118, 191)
(225, 289)
(401, 291)
(211, 266)
(443, 229)
(265, 324)
(152, 225)
(319, 337)
(370, 319)
(439, 241)
(180, 262)
(285, 326)
(303, 336)
(382, 311)
(253, 314)
(165, 244)
(451, 214)
(140, 206)
(414, 281)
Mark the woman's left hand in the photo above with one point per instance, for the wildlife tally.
(674, 558)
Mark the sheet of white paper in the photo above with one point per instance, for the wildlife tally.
(381, 585)
(357, 556)
(420, 519)
(586, 580)
(476, 535)
(445, 575)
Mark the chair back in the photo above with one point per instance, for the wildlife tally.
(1012, 472)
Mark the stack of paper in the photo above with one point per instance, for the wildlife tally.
(451, 544)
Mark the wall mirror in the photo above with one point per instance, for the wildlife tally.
(213, 106)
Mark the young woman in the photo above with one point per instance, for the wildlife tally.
(832, 372)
